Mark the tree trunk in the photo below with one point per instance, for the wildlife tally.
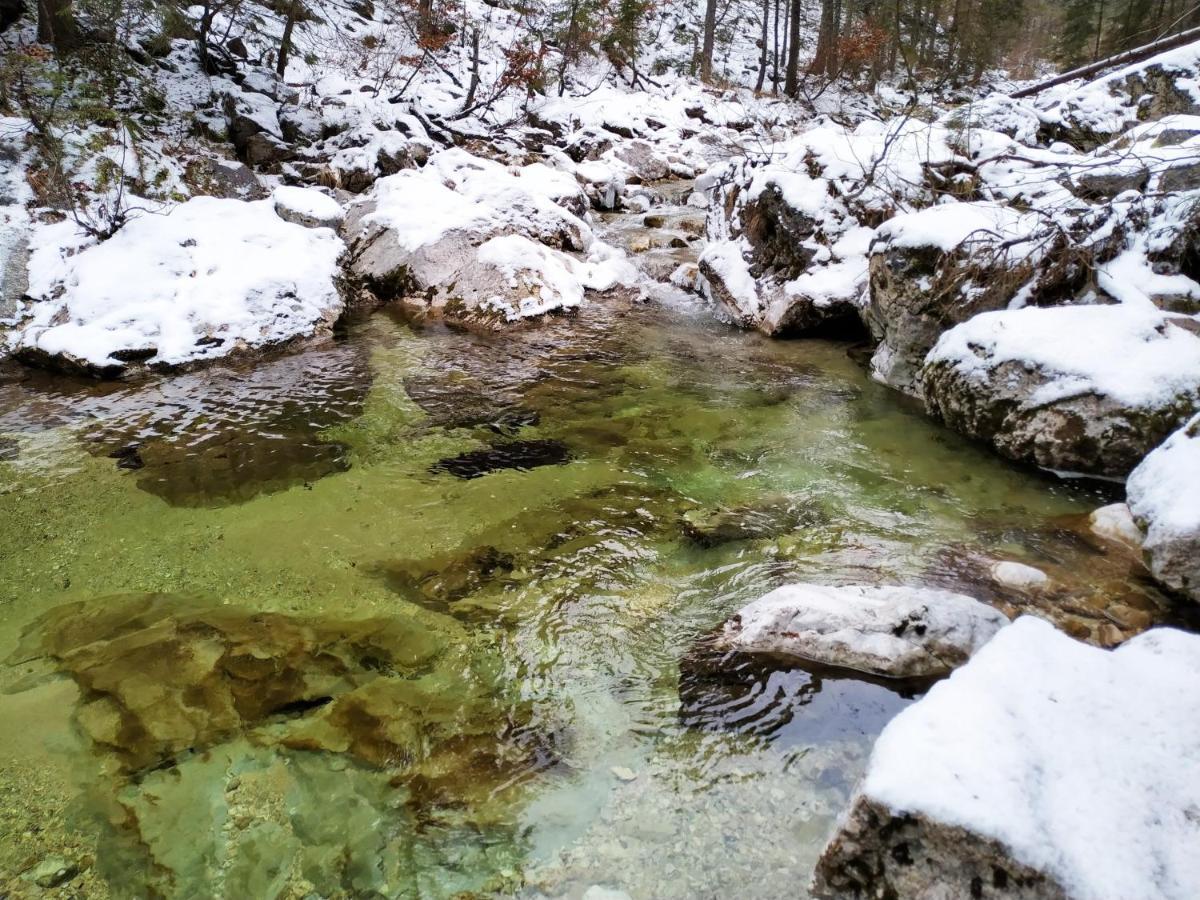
(710, 34)
(285, 42)
(57, 25)
(762, 60)
(424, 17)
(791, 84)
(825, 59)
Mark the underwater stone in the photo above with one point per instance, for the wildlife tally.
(520, 455)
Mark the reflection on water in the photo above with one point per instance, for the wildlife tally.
(416, 613)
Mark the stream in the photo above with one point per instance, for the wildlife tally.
(415, 612)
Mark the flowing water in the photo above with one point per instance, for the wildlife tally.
(415, 613)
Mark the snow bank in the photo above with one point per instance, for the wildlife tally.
(1082, 764)
(887, 631)
(1164, 497)
(211, 277)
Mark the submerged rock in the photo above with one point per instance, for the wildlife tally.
(519, 455)
(712, 527)
(1164, 499)
(1093, 405)
(895, 632)
(1043, 768)
(1115, 523)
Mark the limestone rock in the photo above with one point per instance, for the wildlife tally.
(1043, 769)
(1164, 498)
(887, 631)
(1095, 405)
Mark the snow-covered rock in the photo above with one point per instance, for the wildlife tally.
(931, 270)
(474, 240)
(1115, 523)
(889, 631)
(209, 278)
(1088, 114)
(1043, 768)
(1164, 498)
(789, 234)
(308, 207)
(1087, 389)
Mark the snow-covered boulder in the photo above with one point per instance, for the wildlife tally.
(1087, 115)
(210, 278)
(473, 240)
(1164, 498)
(1043, 768)
(931, 270)
(1086, 389)
(887, 631)
(308, 207)
(789, 235)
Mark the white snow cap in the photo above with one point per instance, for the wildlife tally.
(1084, 763)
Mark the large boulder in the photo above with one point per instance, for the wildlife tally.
(1164, 498)
(885, 631)
(172, 290)
(470, 239)
(1042, 769)
(788, 259)
(1083, 389)
(936, 268)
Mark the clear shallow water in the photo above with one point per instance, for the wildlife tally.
(301, 629)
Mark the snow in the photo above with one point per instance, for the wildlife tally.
(882, 630)
(456, 191)
(949, 225)
(307, 204)
(229, 273)
(727, 261)
(1128, 352)
(1084, 763)
(1164, 495)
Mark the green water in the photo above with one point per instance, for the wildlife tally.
(295, 654)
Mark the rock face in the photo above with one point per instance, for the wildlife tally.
(1043, 768)
(1096, 406)
(935, 269)
(1164, 498)
(172, 290)
(775, 270)
(894, 632)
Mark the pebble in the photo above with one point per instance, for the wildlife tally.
(623, 773)
(53, 871)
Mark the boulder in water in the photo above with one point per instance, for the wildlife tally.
(1043, 768)
(886, 631)
(1085, 389)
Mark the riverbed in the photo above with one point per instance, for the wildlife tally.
(413, 613)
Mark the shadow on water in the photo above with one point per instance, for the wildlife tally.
(785, 704)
